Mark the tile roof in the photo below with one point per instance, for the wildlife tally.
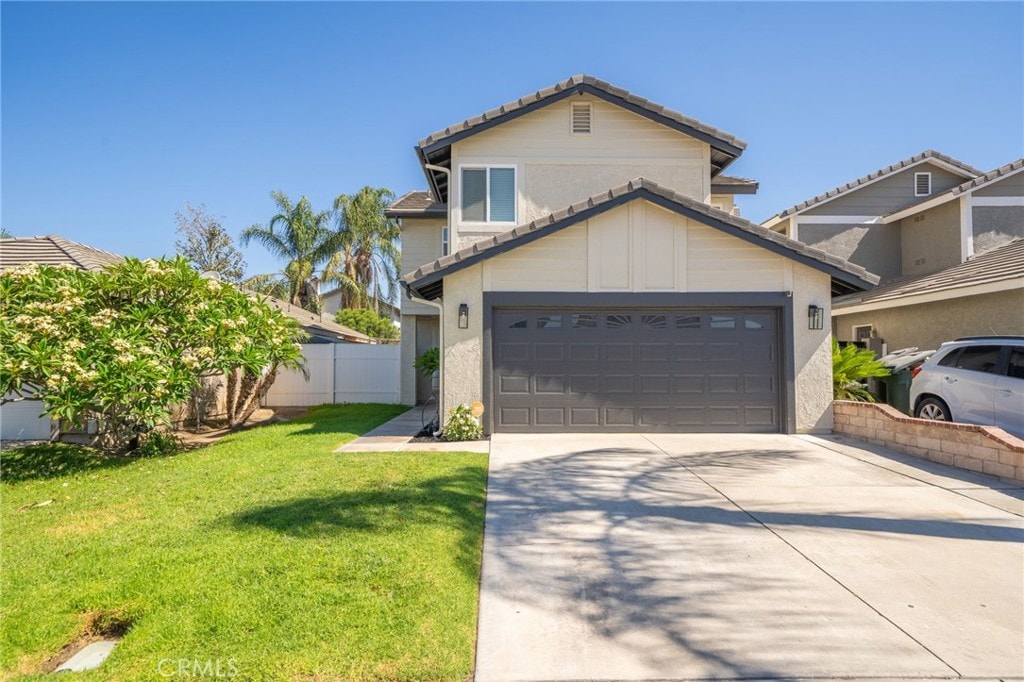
(570, 84)
(850, 277)
(435, 149)
(954, 192)
(53, 250)
(416, 203)
(315, 324)
(730, 184)
(1001, 263)
(871, 177)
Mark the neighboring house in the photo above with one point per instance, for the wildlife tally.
(321, 327)
(593, 286)
(331, 304)
(24, 420)
(918, 231)
(983, 296)
(53, 250)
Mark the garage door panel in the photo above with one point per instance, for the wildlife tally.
(619, 383)
(514, 416)
(510, 384)
(513, 352)
(654, 383)
(584, 352)
(635, 370)
(584, 416)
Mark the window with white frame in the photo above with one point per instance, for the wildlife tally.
(444, 240)
(489, 194)
(922, 184)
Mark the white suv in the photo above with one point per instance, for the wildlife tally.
(976, 380)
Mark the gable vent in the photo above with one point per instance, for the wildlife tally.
(922, 184)
(581, 113)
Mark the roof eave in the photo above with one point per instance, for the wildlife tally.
(430, 285)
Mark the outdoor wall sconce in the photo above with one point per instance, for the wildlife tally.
(463, 316)
(815, 317)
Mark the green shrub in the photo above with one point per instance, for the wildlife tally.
(368, 322)
(462, 425)
(429, 362)
(850, 366)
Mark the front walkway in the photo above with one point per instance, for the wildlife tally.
(633, 557)
(397, 434)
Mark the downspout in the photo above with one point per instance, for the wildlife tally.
(439, 306)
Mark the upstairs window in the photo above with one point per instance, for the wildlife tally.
(581, 117)
(922, 184)
(489, 194)
(444, 240)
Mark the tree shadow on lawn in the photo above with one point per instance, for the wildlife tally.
(454, 501)
(53, 460)
(353, 419)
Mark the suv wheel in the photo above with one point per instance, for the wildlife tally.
(933, 408)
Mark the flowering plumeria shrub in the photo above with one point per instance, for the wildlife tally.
(461, 425)
(126, 345)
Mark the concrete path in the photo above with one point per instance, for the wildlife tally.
(632, 557)
(397, 434)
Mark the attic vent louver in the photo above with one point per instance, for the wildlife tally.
(922, 184)
(581, 112)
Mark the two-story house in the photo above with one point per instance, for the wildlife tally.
(579, 261)
(943, 236)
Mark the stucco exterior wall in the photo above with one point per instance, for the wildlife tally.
(927, 325)
(555, 168)
(876, 247)
(462, 364)
(996, 225)
(728, 263)
(930, 240)
(725, 202)
(812, 352)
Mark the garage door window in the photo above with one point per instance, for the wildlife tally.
(619, 321)
(653, 322)
(688, 322)
(723, 322)
(584, 321)
(549, 322)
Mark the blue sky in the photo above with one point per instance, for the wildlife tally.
(115, 114)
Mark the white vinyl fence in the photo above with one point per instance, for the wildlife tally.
(340, 373)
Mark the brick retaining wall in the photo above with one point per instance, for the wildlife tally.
(987, 449)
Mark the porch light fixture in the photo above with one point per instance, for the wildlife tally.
(815, 317)
(463, 316)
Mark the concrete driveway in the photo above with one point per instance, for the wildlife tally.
(626, 557)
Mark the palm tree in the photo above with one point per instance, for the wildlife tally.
(302, 237)
(367, 263)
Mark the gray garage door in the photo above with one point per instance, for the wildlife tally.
(685, 370)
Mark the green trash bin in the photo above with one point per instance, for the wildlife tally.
(897, 390)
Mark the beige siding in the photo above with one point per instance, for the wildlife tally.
(891, 193)
(555, 263)
(421, 244)
(930, 240)
(726, 202)
(638, 247)
(555, 169)
(719, 262)
(630, 242)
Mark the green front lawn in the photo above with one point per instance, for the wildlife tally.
(267, 552)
